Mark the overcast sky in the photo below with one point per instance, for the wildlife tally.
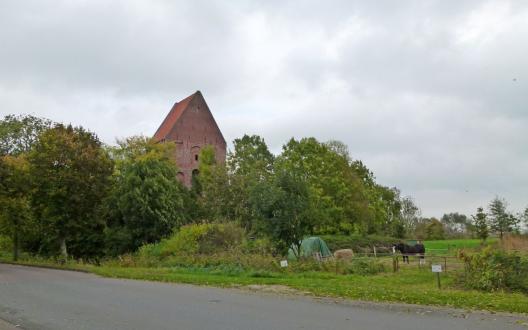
(431, 95)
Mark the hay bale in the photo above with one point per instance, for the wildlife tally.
(344, 254)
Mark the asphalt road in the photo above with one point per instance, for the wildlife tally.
(35, 298)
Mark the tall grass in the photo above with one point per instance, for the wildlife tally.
(513, 242)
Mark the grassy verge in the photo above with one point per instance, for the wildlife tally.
(409, 285)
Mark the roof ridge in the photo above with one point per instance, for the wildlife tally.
(172, 117)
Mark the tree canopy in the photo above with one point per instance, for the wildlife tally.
(146, 201)
(70, 174)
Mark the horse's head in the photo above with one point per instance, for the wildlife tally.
(399, 247)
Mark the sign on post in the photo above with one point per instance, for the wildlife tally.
(436, 268)
(284, 263)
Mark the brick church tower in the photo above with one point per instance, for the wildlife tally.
(191, 125)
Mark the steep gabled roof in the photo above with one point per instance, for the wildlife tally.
(173, 116)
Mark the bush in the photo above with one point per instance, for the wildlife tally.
(6, 244)
(197, 239)
(262, 246)
(364, 266)
(358, 242)
(492, 270)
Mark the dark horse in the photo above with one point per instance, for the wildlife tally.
(406, 250)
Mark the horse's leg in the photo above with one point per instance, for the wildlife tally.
(422, 259)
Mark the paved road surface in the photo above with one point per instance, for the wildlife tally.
(35, 298)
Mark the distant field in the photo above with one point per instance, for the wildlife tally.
(453, 244)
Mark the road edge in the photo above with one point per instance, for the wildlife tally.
(395, 306)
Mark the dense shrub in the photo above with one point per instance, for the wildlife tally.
(6, 244)
(492, 270)
(358, 242)
(262, 246)
(364, 266)
(197, 239)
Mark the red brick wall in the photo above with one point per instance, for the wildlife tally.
(195, 129)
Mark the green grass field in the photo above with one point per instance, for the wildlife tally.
(451, 245)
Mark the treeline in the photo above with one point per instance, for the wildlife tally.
(495, 219)
(63, 192)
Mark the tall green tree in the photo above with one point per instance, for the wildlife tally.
(337, 194)
(14, 188)
(147, 201)
(480, 223)
(250, 157)
(285, 208)
(384, 203)
(500, 220)
(71, 176)
(18, 134)
(410, 214)
(434, 229)
(249, 164)
(212, 189)
(456, 223)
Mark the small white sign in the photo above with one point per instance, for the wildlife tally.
(284, 263)
(436, 268)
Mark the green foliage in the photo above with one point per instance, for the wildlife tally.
(15, 215)
(250, 157)
(480, 223)
(285, 209)
(456, 225)
(197, 239)
(434, 230)
(338, 197)
(493, 269)
(6, 243)
(499, 219)
(19, 133)
(429, 228)
(384, 203)
(147, 201)
(261, 246)
(358, 242)
(364, 266)
(71, 176)
(249, 164)
(211, 188)
(410, 214)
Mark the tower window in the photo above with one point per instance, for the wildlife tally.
(196, 157)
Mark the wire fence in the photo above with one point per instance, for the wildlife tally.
(446, 258)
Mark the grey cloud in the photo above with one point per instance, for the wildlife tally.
(431, 95)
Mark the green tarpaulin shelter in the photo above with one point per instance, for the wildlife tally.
(309, 247)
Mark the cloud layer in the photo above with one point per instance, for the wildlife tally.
(431, 95)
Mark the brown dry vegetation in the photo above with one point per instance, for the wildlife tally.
(512, 242)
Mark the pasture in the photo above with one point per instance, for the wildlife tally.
(455, 244)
